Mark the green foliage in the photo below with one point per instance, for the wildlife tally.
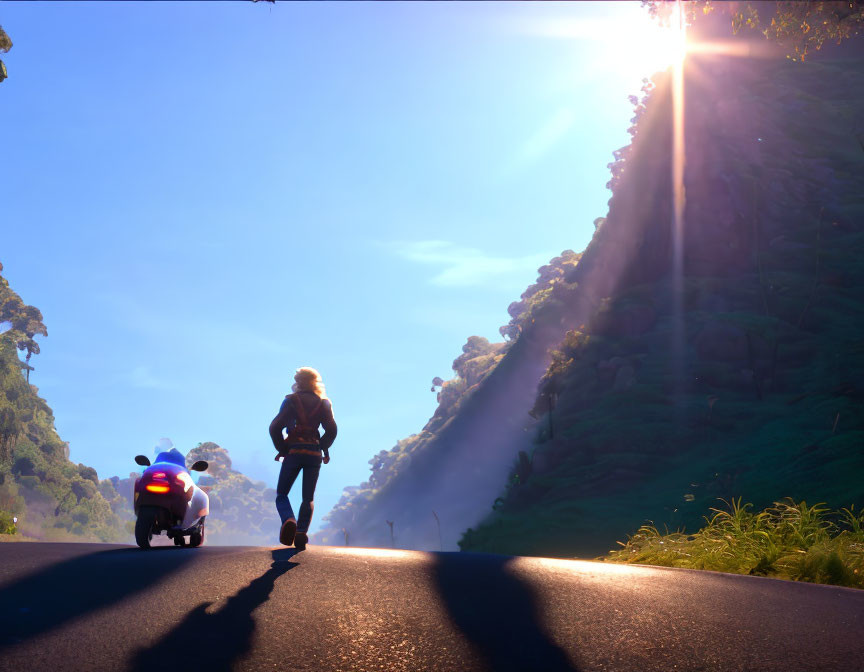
(217, 458)
(527, 308)
(38, 483)
(242, 510)
(7, 523)
(88, 473)
(759, 401)
(25, 321)
(571, 348)
(786, 540)
(24, 466)
(5, 45)
(800, 27)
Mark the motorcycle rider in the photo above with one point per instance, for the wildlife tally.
(302, 450)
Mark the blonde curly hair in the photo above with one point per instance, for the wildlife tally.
(308, 379)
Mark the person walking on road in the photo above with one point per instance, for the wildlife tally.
(301, 450)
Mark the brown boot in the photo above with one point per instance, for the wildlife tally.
(286, 534)
(300, 541)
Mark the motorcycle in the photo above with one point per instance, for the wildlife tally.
(166, 500)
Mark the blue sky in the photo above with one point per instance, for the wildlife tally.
(203, 197)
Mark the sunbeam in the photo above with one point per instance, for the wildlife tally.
(678, 194)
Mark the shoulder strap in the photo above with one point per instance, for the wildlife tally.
(298, 406)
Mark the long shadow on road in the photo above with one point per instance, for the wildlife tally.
(215, 641)
(50, 597)
(498, 613)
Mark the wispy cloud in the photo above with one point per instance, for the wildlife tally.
(465, 266)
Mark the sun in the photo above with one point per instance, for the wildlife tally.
(625, 45)
(645, 46)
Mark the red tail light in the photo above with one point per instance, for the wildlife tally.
(153, 487)
(159, 474)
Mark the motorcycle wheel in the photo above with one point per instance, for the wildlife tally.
(144, 526)
(197, 538)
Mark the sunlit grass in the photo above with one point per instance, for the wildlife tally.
(787, 540)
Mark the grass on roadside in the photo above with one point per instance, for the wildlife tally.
(787, 540)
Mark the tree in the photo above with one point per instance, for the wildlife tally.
(88, 473)
(9, 429)
(25, 322)
(24, 466)
(5, 45)
(547, 276)
(800, 27)
(216, 457)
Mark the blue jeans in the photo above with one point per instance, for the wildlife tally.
(292, 465)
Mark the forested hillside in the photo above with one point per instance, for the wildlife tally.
(631, 392)
(53, 498)
(467, 445)
(761, 394)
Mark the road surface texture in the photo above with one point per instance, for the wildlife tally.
(102, 607)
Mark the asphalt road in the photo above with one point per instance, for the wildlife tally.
(103, 607)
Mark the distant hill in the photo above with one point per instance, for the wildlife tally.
(742, 376)
(242, 511)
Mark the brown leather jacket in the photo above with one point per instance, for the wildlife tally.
(287, 417)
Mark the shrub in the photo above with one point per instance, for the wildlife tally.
(786, 540)
(7, 524)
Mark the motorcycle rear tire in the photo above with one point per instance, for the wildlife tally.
(144, 526)
(197, 538)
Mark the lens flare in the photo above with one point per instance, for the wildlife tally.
(678, 194)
